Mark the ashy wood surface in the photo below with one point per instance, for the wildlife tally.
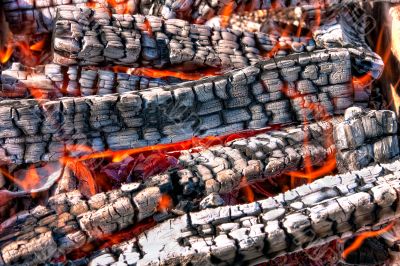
(70, 221)
(33, 16)
(148, 40)
(53, 81)
(329, 208)
(292, 89)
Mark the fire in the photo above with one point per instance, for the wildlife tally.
(164, 203)
(361, 237)
(395, 12)
(247, 191)
(80, 170)
(363, 81)
(148, 26)
(395, 98)
(30, 181)
(310, 173)
(195, 142)
(226, 12)
(5, 53)
(157, 73)
(38, 47)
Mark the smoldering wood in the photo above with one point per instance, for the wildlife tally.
(204, 174)
(281, 91)
(327, 209)
(53, 81)
(128, 40)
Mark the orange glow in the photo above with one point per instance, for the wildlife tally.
(395, 98)
(157, 73)
(395, 38)
(310, 173)
(226, 13)
(363, 81)
(194, 142)
(164, 203)
(30, 181)
(38, 47)
(361, 237)
(5, 53)
(80, 170)
(148, 26)
(247, 191)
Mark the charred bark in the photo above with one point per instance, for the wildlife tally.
(54, 81)
(70, 221)
(290, 89)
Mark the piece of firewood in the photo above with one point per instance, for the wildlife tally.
(329, 208)
(285, 90)
(218, 169)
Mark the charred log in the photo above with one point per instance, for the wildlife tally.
(285, 90)
(218, 169)
(54, 81)
(329, 208)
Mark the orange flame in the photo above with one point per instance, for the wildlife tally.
(5, 53)
(194, 142)
(247, 191)
(148, 26)
(363, 81)
(395, 98)
(361, 237)
(156, 73)
(30, 181)
(226, 12)
(38, 47)
(80, 170)
(164, 203)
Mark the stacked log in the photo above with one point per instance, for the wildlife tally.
(69, 221)
(54, 81)
(285, 90)
(327, 209)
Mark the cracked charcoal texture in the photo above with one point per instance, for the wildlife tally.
(96, 38)
(70, 221)
(276, 91)
(55, 81)
(37, 16)
(310, 215)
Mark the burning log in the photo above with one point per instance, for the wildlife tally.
(285, 90)
(217, 169)
(37, 17)
(329, 208)
(129, 40)
(53, 81)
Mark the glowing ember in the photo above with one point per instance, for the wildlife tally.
(5, 53)
(363, 81)
(148, 27)
(361, 237)
(164, 203)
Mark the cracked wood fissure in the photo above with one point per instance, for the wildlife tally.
(69, 221)
(310, 215)
(284, 90)
(94, 37)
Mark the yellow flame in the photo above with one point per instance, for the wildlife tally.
(396, 99)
